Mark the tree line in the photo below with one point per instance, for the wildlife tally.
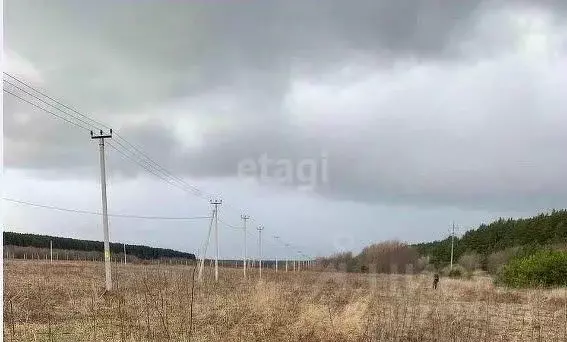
(489, 248)
(495, 243)
(61, 243)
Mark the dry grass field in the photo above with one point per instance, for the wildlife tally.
(65, 302)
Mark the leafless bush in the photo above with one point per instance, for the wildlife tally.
(470, 261)
(496, 260)
(389, 256)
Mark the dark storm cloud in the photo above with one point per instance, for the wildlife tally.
(129, 53)
(125, 57)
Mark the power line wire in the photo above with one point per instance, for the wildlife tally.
(155, 169)
(47, 103)
(56, 101)
(99, 213)
(146, 167)
(154, 163)
(47, 111)
(137, 155)
(230, 225)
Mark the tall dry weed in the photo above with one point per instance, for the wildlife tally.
(66, 302)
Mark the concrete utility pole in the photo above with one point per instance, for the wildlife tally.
(51, 251)
(277, 238)
(216, 203)
(286, 254)
(107, 271)
(452, 244)
(124, 254)
(204, 252)
(244, 218)
(260, 228)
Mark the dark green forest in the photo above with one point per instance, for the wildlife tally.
(42, 241)
(525, 234)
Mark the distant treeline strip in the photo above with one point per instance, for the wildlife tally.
(42, 241)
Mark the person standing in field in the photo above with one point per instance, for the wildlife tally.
(435, 280)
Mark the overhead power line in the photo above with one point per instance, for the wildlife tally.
(196, 190)
(122, 146)
(127, 155)
(135, 153)
(47, 111)
(228, 225)
(82, 121)
(99, 213)
(98, 125)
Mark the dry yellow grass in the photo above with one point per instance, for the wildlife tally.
(65, 302)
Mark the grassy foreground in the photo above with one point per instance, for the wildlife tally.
(65, 302)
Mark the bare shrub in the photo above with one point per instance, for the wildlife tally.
(497, 260)
(422, 264)
(389, 256)
(470, 261)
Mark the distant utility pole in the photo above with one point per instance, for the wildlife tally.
(244, 218)
(216, 203)
(51, 251)
(277, 238)
(101, 136)
(260, 228)
(204, 252)
(452, 244)
(124, 254)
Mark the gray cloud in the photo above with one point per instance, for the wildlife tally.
(415, 102)
(128, 54)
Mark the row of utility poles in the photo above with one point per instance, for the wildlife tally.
(57, 256)
(213, 227)
(101, 136)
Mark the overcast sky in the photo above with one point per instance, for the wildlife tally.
(384, 119)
